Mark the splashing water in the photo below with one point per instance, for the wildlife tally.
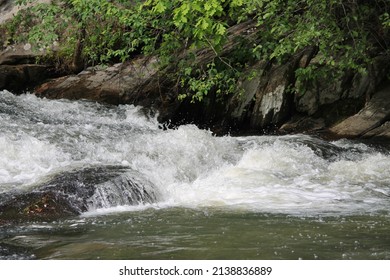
(297, 175)
(267, 197)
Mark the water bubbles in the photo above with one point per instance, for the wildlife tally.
(295, 175)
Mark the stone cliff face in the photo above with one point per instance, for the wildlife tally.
(267, 100)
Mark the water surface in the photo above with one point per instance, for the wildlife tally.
(254, 197)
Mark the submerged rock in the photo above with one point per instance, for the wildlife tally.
(73, 192)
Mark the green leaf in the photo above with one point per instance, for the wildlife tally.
(159, 7)
(220, 29)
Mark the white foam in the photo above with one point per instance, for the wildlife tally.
(191, 167)
(292, 179)
(25, 158)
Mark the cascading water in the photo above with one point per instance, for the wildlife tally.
(210, 181)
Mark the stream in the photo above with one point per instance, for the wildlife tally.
(248, 197)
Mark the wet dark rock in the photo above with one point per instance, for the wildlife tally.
(267, 103)
(331, 151)
(336, 98)
(371, 121)
(18, 70)
(305, 124)
(19, 78)
(73, 192)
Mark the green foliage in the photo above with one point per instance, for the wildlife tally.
(197, 20)
(347, 34)
(216, 79)
(111, 31)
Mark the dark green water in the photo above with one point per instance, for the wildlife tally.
(179, 233)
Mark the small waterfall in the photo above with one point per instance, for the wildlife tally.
(180, 193)
(77, 191)
(118, 155)
(127, 189)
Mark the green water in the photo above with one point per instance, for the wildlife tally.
(178, 233)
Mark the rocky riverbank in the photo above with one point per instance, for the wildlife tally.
(350, 105)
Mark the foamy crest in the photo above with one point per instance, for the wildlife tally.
(297, 175)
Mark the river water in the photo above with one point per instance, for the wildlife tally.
(252, 197)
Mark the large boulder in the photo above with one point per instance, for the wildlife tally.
(73, 192)
(371, 121)
(139, 82)
(116, 84)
